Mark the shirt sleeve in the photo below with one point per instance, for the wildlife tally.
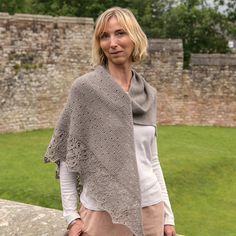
(69, 195)
(169, 216)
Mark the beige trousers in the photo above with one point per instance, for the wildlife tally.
(99, 223)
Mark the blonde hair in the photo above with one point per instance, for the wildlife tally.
(129, 23)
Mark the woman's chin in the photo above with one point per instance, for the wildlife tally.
(119, 61)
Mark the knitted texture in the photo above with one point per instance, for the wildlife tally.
(94, 136)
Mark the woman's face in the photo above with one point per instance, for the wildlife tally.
(116, 44)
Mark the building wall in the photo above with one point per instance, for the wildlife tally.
(203, 95)
(40, 56)
(211, 97)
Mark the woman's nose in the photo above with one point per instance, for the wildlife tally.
(113, 42)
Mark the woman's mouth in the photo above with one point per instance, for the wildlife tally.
(114, 53)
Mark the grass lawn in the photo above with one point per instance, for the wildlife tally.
(24, 177)
(199, 164)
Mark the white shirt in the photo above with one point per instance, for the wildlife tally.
(152, 184)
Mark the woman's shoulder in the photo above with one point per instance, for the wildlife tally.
(84, 80)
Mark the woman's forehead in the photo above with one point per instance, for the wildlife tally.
(113, 22)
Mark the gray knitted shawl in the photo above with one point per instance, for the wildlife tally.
(94, 135)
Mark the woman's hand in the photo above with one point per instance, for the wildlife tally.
(169, 230)
(76, 228)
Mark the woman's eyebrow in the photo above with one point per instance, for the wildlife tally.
(117, 30)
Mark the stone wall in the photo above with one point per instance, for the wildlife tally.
(163, 69)
(210, 90)
(203, 95)
(40, 56)
(19, 219)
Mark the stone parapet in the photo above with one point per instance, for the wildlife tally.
(156, 45)
(45, 18)
(213, 60)
(27, 220)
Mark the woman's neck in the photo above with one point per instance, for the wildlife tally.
(121, 74)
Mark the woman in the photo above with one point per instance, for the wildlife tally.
(106, 137)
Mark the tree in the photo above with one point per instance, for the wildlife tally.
(229, 7)
(202, 29)
(55, 7)
(231, 10)
(14, 6)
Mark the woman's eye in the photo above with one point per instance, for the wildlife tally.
(104, 36)
(121, 33)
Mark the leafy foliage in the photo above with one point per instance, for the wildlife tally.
(230, 12)
(203, 30)
(15, 6)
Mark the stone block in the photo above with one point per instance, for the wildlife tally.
(21, 219)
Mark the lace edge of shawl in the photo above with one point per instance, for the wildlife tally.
(64, 147)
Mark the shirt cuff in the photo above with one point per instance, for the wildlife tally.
(71, 217)
(169, 220)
